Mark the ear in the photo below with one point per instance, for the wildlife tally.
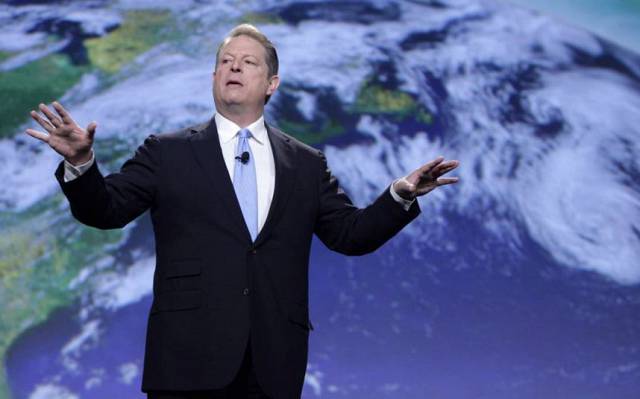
(274, 82)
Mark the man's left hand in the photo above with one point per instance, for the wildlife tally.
(425, 179)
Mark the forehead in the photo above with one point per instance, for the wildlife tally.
(242, 46)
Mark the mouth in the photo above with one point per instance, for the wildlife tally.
(233, 83)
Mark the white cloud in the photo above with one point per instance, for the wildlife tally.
(51, 391)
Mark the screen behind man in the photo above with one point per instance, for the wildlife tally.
(234, 204)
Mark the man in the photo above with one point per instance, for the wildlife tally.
(234, 204)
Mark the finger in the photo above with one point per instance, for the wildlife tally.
(426, 168)
(45, 124)
(55, 121)
(63, 113)
(447, 180)
(444, 167)
(91, 130)
(38, 135)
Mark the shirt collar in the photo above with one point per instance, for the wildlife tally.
(227, 130)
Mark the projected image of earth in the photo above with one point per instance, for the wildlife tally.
(521, 281)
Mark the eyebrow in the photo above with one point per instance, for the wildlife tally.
(224, 54)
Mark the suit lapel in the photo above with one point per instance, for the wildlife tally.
(283, 156)
(206, 147)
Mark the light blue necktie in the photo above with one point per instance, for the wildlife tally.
(244, 183)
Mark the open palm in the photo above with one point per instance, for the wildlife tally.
(426, 178)
(63, 133)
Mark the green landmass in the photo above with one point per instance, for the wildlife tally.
(5, 55)
(42, 252)
(48, 78)
(308, 132)
(423, 116)
(111, 151)
(4, 386)
(140, 31)
(260, 18)
(23, 88)
(39, 257)
(375, 99)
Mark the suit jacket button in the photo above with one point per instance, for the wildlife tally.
(245, 292)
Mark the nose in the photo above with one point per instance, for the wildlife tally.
(235, 66)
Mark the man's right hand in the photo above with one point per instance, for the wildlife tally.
(64, 135)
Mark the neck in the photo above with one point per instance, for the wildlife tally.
(242, 118)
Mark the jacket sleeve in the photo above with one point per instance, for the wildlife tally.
(113, 201)
(350, 230)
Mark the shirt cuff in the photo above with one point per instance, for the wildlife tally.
(72, 172)
(406, 204)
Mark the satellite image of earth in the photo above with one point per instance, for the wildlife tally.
(522, 281)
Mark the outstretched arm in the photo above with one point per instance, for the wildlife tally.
(102, 202)
(356, 231)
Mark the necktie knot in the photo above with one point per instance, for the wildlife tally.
(244, 133)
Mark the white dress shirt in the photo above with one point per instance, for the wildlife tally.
(262, 154)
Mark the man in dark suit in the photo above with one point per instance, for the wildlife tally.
(234, 204)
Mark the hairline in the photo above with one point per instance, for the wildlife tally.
(233, 35)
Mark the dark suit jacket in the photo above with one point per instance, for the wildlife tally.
(213, 287)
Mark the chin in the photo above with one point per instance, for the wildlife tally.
(234, 102)
(230, 99)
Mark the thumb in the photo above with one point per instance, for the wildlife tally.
(91, 129)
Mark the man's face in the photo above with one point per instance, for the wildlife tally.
(241, 81)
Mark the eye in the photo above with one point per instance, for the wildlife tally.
(251, 62)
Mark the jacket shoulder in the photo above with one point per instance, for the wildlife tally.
(300, 146)
(180, 134)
